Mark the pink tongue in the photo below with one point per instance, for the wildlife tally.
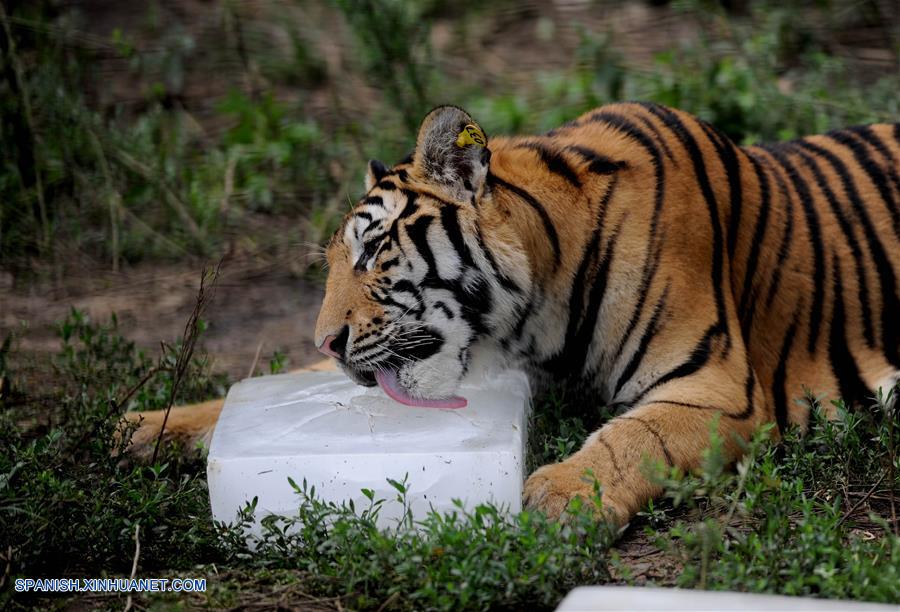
(390, 384)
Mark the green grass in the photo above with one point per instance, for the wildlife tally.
(795, 519)
(811, 516)
(470, 559)
(67, 505)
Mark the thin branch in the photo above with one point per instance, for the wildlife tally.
(188, 343)
(228, 188)
(137, 554)
(119, 403)
(234, 20)
(861, 501)
(892, 419)
(7, 570)
(255, 360)
(387, 602)
(740, 490)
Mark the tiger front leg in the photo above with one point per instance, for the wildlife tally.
(616, 456)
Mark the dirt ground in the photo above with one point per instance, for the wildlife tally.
(256, 308)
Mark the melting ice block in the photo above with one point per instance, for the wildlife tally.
(342, 438)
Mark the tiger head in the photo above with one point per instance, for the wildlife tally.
(420, 271)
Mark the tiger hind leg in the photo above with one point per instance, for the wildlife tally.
(190, 427)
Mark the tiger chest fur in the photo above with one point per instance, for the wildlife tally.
(638, 251)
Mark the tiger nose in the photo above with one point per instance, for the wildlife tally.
(335, 346)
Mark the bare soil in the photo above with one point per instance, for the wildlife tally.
(256, 310)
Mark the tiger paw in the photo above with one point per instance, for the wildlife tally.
(552, 487)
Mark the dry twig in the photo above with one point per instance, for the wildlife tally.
(137, 554)
(255, 360)
(861, 501)
(188, 343)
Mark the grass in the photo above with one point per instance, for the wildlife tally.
(815, 515)
(797, 519)
(474, 559)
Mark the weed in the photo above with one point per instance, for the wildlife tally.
(472, 559)
(394, 37)
(556, 430)
(166, 188)
(67, 505)
(790, 520)
(277, 362)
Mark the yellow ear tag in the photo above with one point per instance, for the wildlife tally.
(471, 135)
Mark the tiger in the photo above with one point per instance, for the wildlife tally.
(692, 285)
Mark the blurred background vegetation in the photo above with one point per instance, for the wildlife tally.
(170, 132)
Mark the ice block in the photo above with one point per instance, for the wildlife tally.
(342, 438)
(647, 599)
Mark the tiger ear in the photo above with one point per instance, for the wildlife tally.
(451, 153)
(374, 173)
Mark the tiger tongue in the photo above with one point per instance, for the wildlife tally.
(388, 381)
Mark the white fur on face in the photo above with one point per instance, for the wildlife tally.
(419, 306)
(439, 375)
